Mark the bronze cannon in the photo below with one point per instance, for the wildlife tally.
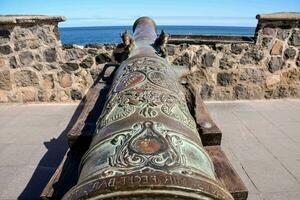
(146, 144)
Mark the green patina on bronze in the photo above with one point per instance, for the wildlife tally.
(146, 145)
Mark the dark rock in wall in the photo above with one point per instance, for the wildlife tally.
(225, 78)
(295, 38)
(206, 91)
(252, 57)
(26, 78)
(269, 31)
(103, 58)
(184, 60)
(266, 42)
(69, 67)
(13, 62)
(76, 94)
(87, 63)
(252, 74)
(19, 45)
(26, 57)
(4, 33)
(5, 49)
(50, 55)
(226, 62)
(282, 34)
(237, 48)
(240, 92)
(33, 44)
(43, 33)
(298, 60)
(74, 54)
(5, 80)
(275, 64)
(208, 59)
(289, 53)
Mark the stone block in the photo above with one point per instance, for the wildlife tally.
(13, 62)
(289, 53)
(74, 54)
(252, 56)
(50, 55)
(64, 79)
(3, 97)
(206, 91)
(227, 61)
(277, 48)
(76, 94)
(28, 95)
(252, 74)
(5, 80)
(26, 78)
(266, 42)
(103, 58)
(70, 67)
(5, 50)
(240, 92)
(272, 80)
(184, 59)
(238, 48)
(298, 60)
(269, 31)
(48, 81)
(26, 57)
(208, 59)
(282, 34)
(275, 64)
(2, 62)
(225, 78)
(87, 62)
(295, 38)
(33, 44)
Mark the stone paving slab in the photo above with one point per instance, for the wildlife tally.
(260, 138)
(263, 137)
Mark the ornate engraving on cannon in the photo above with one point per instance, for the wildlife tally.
(146, 145)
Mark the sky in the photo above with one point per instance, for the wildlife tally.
(164, 12)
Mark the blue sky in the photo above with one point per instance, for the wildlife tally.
(164, 12)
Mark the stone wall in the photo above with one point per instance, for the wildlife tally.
(35, 67)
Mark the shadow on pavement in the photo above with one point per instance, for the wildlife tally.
(57, 147)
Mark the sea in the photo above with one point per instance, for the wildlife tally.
(111, 34)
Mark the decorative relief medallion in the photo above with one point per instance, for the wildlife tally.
(148, 145)
(129, 81)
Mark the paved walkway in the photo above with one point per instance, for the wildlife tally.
(261, 139)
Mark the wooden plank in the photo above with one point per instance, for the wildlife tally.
(209, 132)
(226, 173)
(48, 191)
(65, 176)
(85, 125)
(90, 108)
(210, 135)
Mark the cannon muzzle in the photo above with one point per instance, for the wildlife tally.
(146, 145)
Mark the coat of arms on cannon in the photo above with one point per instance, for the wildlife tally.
(149, 140)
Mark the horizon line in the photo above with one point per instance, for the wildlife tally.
(158, 26)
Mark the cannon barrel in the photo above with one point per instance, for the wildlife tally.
(146, 145)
